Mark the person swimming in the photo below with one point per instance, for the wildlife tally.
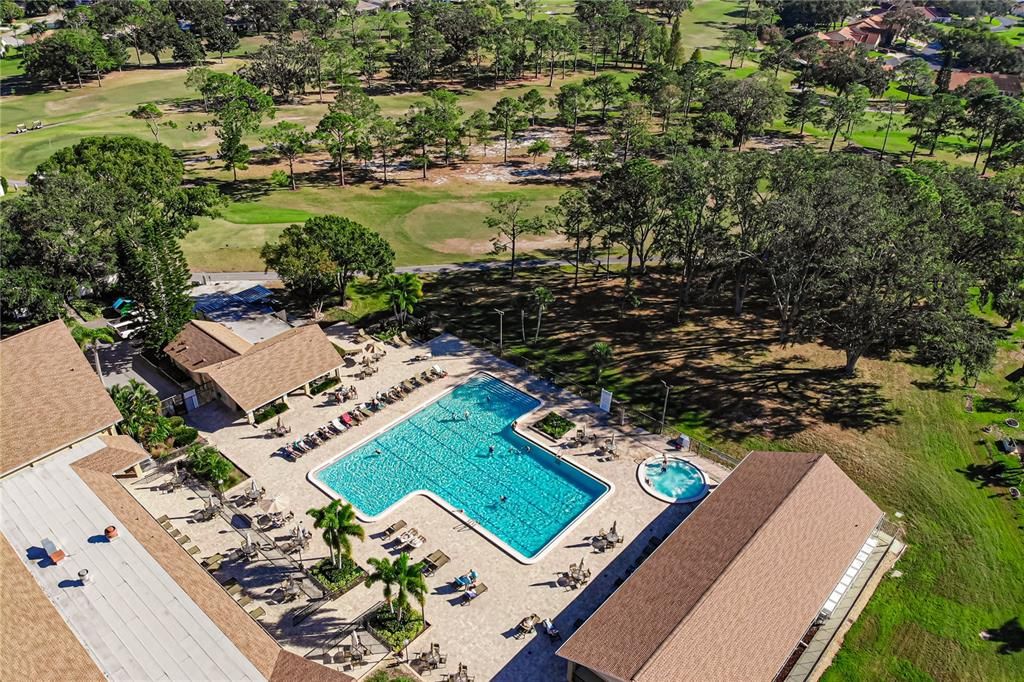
(490, 449)
(504, 499)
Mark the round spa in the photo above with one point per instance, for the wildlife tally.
(673, 480)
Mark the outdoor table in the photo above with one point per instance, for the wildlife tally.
(249, 550)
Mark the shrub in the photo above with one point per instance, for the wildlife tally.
(322, 386)
(279, 179)
(269, 412)
(335, 579)
(185, 435)
(554, 425)
(208, 464)
(393, 632)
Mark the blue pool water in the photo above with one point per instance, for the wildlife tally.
(439, 450)
(680, 481)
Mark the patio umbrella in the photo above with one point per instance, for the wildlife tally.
(274, 505)
(614, 530)
(248, 540)
(280, 424)
(253, 486)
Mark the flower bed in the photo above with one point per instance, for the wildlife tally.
(269, 412)
(554, 425)
(385, 626)
(338, 581)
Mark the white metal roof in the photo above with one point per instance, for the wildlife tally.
(132, 618)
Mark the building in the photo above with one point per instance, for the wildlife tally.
(749, 587)
(246, 309)
(77, 607)
(50, 397)
(1007, 84)
(246, 376)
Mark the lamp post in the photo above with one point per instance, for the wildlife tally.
(501, 331)
(664, 407)
(405, 650)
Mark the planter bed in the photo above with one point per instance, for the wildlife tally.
(325, 573)
(554, 426)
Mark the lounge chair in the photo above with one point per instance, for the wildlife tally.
(212, 563)
(338, 425)
(408, 386)
(193, 550)
(173, 532)
(415, 541)
(426, 377)
(245, 601)
(235, 590)
(465, 581)
(366, 413)
(163, 519)
(394, 528)
(347, 419)
(433, 562)
(184, 540)
(409, 341)
(438, 371)
(404, 538)
(257, 613)
(473, 592)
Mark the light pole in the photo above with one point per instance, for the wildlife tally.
(664, 407)
(501, 331)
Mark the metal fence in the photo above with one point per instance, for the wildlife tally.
(622, 415)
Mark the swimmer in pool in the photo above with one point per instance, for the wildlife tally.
(491, 449)
(504, 499)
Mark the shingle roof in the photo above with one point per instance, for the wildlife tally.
(37, 643)
(50, 396)
(276, 366)
(736, 585)
(203, 343)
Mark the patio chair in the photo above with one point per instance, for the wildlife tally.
(394, 528)
(212, 563)
(257, 613)
(435, 561)
(472, 593)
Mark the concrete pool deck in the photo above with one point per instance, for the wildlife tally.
(480, 634)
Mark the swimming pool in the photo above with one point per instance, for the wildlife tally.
(672, 479)
(438, 452)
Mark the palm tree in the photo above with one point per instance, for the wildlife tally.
(385, 574)
(601, 353)
(90, 338)
(543, 298)
(338, 522)
(139, 406)
(404, 291)
(407, 577)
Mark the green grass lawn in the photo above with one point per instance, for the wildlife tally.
(424, 222)
(907, 441)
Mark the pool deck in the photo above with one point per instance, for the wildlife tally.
(479, 634)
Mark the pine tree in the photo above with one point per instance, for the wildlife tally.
(675, 46)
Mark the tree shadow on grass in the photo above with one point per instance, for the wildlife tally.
(993, 474)
(1010, 636)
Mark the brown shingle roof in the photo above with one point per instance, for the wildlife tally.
(121, 452)
(734, 587)
(50, 396)
(276, 366)
(36, 642)
(203, 343)
(1005, 83)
